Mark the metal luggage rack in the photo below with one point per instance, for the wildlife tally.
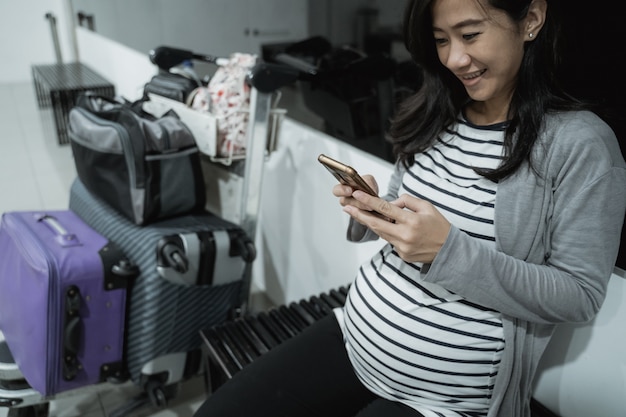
(264, 121)
(264, 118)
(203, 125)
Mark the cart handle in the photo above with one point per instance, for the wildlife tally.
(268, 77)
(166, 57)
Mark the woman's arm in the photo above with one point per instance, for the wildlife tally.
(556, 267)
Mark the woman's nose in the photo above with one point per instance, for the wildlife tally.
(458, 56)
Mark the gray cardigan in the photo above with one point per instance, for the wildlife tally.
(557, 237)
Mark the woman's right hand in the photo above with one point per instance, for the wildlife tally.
(344, 193)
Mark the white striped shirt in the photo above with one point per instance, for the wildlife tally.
(413, 341)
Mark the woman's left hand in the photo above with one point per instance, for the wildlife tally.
(417, 230)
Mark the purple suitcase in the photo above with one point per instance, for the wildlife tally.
(62, 300)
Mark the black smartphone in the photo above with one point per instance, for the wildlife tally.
(345, 174)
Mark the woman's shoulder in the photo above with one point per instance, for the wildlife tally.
(582, 121)
(579, 133)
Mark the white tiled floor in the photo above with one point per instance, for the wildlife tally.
(35, 174)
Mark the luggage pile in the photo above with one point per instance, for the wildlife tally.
(117, 287)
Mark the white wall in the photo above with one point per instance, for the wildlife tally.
(127, 69)
(26, 37)
(583, 372)
(302, 226)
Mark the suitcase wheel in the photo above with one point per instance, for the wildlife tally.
(156, 393)
(171, 254)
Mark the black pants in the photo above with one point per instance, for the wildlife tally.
(307, 375)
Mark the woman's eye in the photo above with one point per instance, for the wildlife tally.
(470, 36)
(440, 41)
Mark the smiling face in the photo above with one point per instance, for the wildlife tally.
(483, 48)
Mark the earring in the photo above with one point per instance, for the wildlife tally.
(530, 35)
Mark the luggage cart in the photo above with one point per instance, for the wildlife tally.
(264, 79)
(233, 182)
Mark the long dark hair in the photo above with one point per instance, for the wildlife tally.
(423, 116)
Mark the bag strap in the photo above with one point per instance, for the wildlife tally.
(111, 108)
(94, 102)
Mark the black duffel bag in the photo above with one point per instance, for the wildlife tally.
(146, 168)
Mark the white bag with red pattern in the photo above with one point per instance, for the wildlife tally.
(229, 102)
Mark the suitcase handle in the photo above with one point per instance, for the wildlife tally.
(63, 237)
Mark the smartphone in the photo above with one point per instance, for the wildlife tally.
(345, 174)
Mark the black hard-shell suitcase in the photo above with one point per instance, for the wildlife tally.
(194, 273)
